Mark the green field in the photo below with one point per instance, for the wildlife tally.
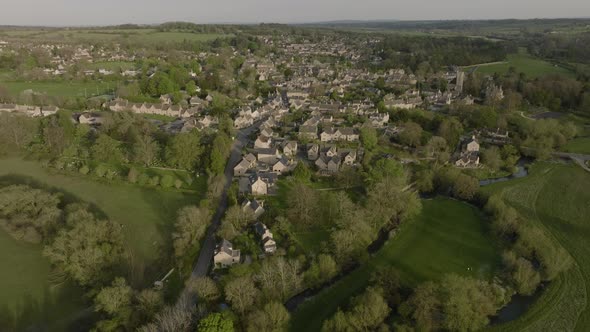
(448, 237)
(556, 197)
(62, 88)
(147, 216)
(133, 36)
(525, 63)
(578, 145)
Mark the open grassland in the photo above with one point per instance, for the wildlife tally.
(132, 36)
(447, 237)
(579, 145)
(61, 88)
(556, 198)
(525, 63)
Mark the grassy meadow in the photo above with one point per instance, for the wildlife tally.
(447, 237)
(61, 88)
(525, 63)
(147, 217)
(132, 36)
(556, 198)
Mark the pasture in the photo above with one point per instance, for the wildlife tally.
(532, 67)
(555, 197)
(448, 237)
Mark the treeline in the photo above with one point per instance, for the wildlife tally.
(530, 257)
(563, 47)
(121, 148)
(421, 53)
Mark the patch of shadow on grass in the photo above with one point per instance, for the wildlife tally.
(44, 315)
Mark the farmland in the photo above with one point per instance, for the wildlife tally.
(130, 36)
(448, 237)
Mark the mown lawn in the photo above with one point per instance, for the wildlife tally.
(147, 217)
(447, 237)
(523, 62)
(578, 145)
(61, 88)
(556, 197)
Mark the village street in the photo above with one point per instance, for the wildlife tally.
(206, 255)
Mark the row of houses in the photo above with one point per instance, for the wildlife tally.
(32, 111)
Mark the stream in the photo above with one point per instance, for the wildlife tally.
(520, 173)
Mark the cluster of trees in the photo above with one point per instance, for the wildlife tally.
(530, 257)
(424, 55)
(29, 214)
(454, 303)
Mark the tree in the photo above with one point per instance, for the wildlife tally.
(450, 129)
(302, 172)
(220, 151)
(322, 270)
(167, 181)
(437, 147)
(87, 251)
(184, 150)
(146, 150)
(114, 299)
(241, 293)
(465, 187)
(149, 302)
(189, 228)
(273, 317)
(367, 313)
(205, 288)
(302, 205)
(216, 322)
(191, 88)
(107, 150)
(16, 131)
(29, 214)
(368, 136)
(235, 220)
(279, 278)
(133, 175)
(411, 134)
(491, 158)
(424, 180)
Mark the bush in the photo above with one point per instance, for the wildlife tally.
(155, 181)
(167, 181)
(133, 175)
(111, 174)
(100, 171)
(84, 170)
(143, 179)
(178, 184)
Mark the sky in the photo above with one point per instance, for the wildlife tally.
(109, 12)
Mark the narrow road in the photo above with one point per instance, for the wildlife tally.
(206, 254)
(578, 158)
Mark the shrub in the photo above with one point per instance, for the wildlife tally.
(100, 171)
(84, 170)
(167, 181)
(143, 179)
(155, 181)
(178, 184)
(111, 174)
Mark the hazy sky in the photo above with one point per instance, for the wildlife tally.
(103, 12)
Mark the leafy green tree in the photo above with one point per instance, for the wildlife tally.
(273, 317)
(450, 129)
(465, 187)
(114, 299)
(491, 158)
(189, 228)
(185, 150)
(411, 134)
(146, 150)
(205, 288)
(368, 137)
(88, 250)
(167, 181)
(302, 172)
(29, 214)
(107, 150)
(216, 322)
(367, 313)
(191, 88)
